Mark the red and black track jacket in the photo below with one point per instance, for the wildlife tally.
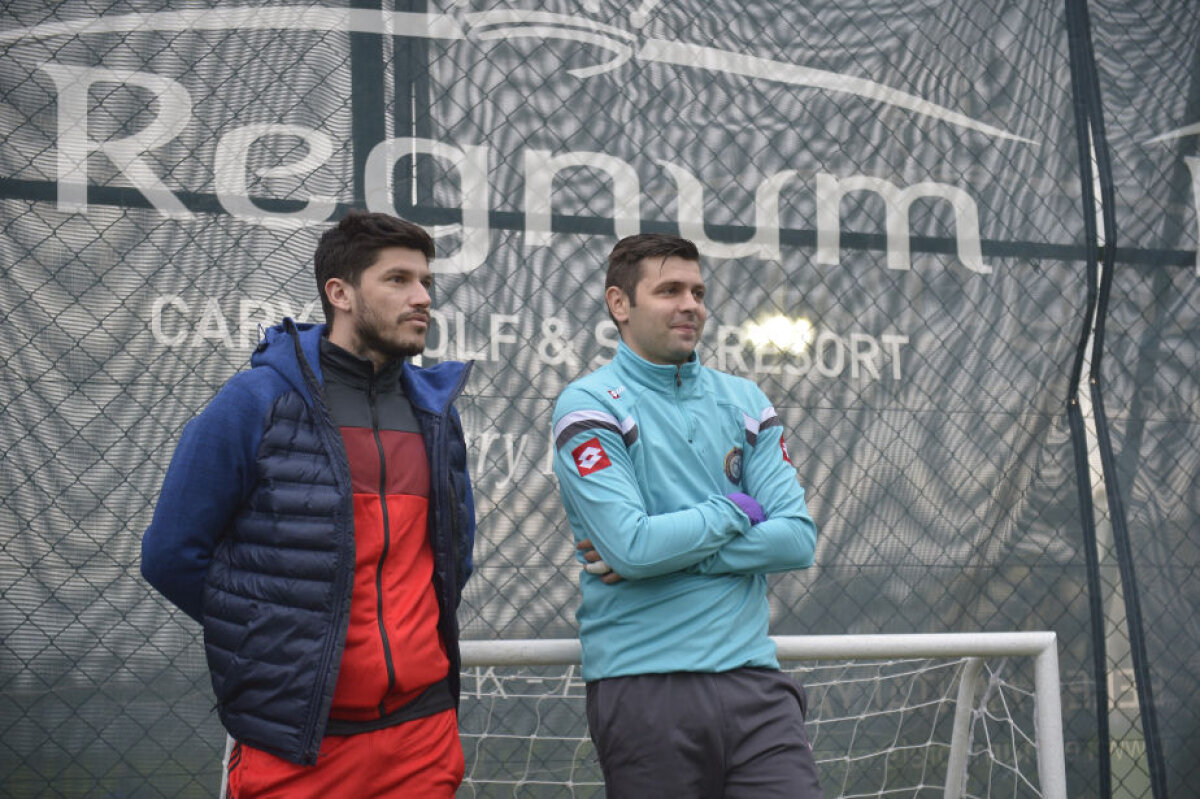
(393, 654)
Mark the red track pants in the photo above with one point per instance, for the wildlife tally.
(420, 758)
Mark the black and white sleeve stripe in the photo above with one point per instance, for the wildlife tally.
(768, 418)
(579, 421)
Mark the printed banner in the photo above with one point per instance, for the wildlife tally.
(889, 208)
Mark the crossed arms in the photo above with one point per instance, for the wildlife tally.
(607, 509)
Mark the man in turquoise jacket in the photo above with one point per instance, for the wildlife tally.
(682, 497)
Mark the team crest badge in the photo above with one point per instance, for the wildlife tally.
(733, 465)
(590, 457)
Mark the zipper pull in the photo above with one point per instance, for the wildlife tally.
(678, 378)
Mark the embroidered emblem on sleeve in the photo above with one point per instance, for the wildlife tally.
(733, 465)
(590, 457)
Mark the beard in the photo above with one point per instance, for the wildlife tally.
(367, 329)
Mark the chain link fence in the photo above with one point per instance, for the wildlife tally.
(903, 185)
(1147, 63)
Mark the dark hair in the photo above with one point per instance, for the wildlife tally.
(349, 247)
(625, 260)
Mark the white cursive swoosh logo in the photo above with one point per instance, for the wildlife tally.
(506, 24)
(1178, 133)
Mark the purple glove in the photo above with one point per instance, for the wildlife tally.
(749, 506)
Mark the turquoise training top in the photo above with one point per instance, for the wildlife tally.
(645, 456)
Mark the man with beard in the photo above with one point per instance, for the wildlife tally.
(682, 497)
(317, 520)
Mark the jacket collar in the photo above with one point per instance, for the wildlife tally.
(345, 367)
(658, 377)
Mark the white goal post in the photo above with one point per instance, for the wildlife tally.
(969, 652)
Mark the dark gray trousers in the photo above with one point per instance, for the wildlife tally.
(732, 735)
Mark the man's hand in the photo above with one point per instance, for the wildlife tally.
(749, 506)
(596, 564)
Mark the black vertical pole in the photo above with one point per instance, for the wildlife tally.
(413, 98)
(1087, 88)
(367, 126)
(1076, 33)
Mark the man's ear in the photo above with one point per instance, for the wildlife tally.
(339, 291)
(618, 304)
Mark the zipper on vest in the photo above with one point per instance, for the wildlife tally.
(372, 401)
(318, 711)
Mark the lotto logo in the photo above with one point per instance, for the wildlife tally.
(786, 455)
(590, 457)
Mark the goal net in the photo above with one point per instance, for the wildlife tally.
(948, 715)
